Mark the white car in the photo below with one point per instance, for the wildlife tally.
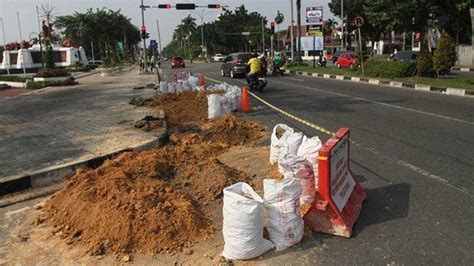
(219, 57)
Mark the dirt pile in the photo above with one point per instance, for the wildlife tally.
(184, 107)
(127, 205)
(230, 130)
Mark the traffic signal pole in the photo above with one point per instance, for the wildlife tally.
(143, 39)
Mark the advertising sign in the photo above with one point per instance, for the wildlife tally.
(342, 182)
(312, 43)
(314, 15)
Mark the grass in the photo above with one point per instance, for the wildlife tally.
(450, 82)
(12, 78)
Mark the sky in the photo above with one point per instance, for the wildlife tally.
(168, 18)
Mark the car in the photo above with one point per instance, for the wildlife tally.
(177, 62)
(235, 65)
(219, 57)
(405, 56)
(347, 60)
(336, 55)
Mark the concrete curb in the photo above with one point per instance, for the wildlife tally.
(463, 69)
(390, 83)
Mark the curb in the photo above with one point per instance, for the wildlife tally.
(83, 75)
(390, 83)
(463, 69)
(54, 174)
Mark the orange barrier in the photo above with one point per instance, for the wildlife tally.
(245, 100)
(339, 197)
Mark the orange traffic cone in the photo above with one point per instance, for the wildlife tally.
(202, 80)
(245, 100)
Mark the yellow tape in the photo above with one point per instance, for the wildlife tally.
(309, 124)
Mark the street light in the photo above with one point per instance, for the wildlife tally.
(201, 16)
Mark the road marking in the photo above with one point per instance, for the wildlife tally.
(383, 104)
(372, 150)
(293, 79)
(10, 213)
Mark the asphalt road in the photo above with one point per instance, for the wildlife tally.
(413, 153)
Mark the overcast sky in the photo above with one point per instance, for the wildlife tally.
(168, 19)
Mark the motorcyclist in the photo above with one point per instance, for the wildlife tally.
(277, 61)
(255, 65)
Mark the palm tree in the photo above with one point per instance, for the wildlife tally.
(329, 27)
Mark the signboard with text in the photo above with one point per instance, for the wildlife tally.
(314, 15)
(342, 182)
(312, 43)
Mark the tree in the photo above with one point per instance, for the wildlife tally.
(101, 27)
(328, 29)
(445, 55)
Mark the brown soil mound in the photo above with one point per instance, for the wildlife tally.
(232, 131)
(127, 206)
(184, 107)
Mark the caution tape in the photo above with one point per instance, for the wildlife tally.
(309, 124)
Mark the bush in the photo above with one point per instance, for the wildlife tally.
(381, 67)
(41, 84)
(295, 64)
(424, 62)
(445, 55)
(13, 78)
(52, 72)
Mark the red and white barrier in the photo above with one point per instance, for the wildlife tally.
(339, 197)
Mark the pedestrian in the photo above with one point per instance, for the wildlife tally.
(152, 63)
(158, 62)
(141, 64)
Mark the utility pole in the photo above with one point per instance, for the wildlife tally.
(19, 25)
(343, 41)
(263, 35)
(144, 39)
(159, 36)
(298, 17)
(4, 45)
(292, 34)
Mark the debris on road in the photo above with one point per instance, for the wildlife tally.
(149, 123)
(139, 101)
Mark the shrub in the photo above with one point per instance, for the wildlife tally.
(424, 62)
(295, 64)
(380, 67)
(445, 55)
(13, 78)
(41, 84)
(52, 72)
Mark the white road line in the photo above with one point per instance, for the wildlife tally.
(383, 104)
(293, 79)
(10, 213)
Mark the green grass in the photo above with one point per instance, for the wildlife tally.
(450, 82)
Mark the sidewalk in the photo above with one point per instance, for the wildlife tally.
(48, 134)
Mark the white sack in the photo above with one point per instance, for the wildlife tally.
(282, 201)
(274, 150)
(226, 105)
(163, 87)
(214, 106)
(309, 149)
(292, 166)
(243, 223)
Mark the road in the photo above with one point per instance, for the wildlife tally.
(413, 153)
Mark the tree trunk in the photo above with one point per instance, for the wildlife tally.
(298, 18)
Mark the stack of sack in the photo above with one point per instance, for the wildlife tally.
(296, 156)
(220, 105)
(192, 84)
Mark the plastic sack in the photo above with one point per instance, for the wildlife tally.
(289, 144)
(163, 87)
(309, 149)
(243, 223)
(292, 166)
(214, 106)
(283, 131)
(282, 202)
(226, 106)
(172, 87)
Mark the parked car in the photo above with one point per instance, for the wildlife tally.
(235, 65)
(337, 54)
(219, 57)
(406, 56)
(177, 62)
(347, 60)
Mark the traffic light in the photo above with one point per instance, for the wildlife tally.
(272, 27)
(166, 6)
(214, 6)
(185, 6)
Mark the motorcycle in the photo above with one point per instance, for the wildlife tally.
(257, 83)
(278, 71)
(322, 62)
